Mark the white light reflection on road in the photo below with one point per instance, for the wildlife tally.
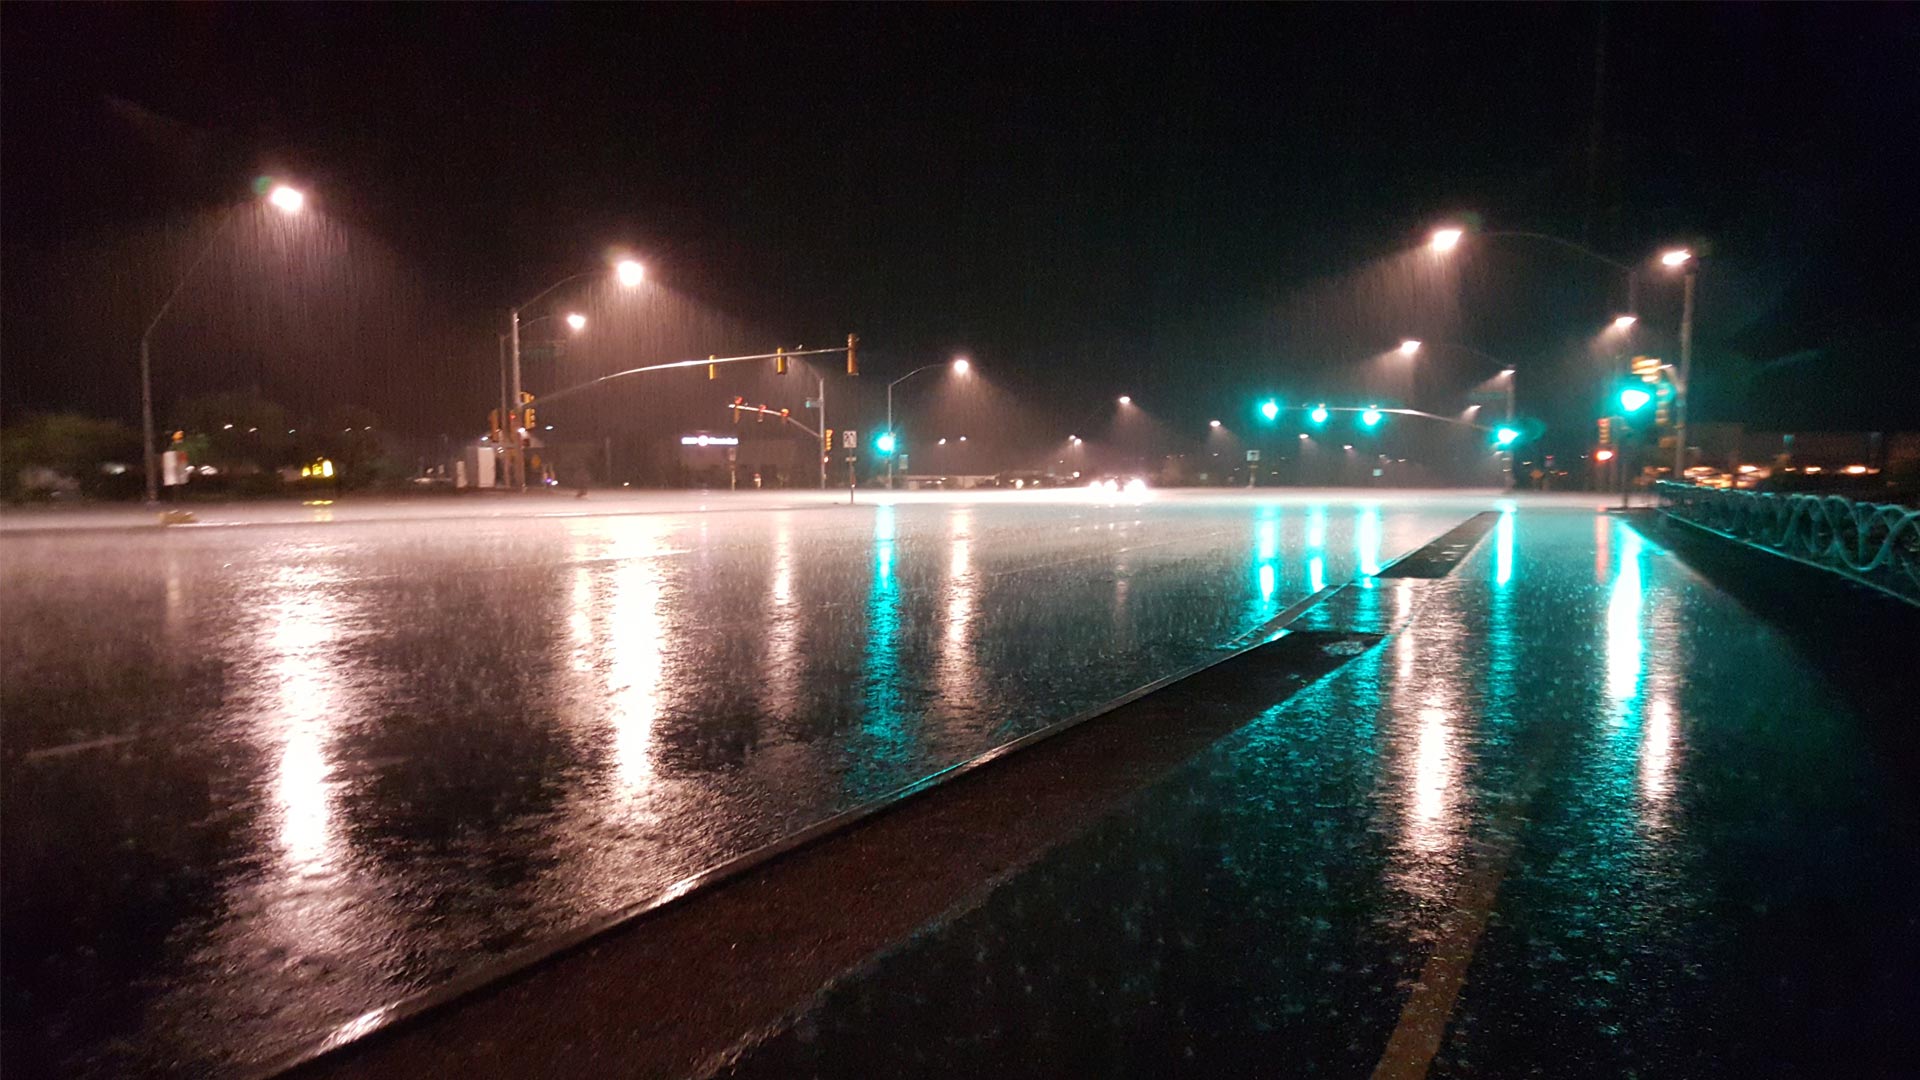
(1624, 646)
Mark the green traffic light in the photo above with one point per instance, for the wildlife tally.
(1270, 408)
(1371, 417)
(1633, 399)
(884, 443)
(1505, 436)
(1319, 414)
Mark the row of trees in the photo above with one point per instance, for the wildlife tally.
(243, 441)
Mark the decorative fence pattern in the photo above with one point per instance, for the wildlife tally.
(1872, 542)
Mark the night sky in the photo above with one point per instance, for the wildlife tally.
(1196, 205)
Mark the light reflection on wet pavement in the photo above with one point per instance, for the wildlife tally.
(258, 781)
(1577, 786)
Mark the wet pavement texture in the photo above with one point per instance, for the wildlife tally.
(1577, 814)
(262, 779)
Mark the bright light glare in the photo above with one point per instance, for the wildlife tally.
(576, 321)
(629, 272)
(1370, 417)
(1445, 240)
(1126, 399)
(1270, 408)
(1624, 322)
(1213, 423)
(1135, 486)
(1676, 257)
(1074, 439)
(1603, 455)
(1634, 398)
(1409, 347)
(961, 366)
(885, 443)
(1505, 436)
(286, 199)
(1318, 415)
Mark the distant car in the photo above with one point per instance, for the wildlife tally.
(1117, 483)
(1021, 479)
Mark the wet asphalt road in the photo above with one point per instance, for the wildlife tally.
(259, 780)
(1579, 814)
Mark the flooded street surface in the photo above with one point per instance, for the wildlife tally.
(260, 780)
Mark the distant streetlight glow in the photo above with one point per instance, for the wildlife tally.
(629, 273)
(1676, 257)
(1445, 240)
(1603, 455)
(1213, 423)
(961, 366)
(1126, 399)
(1074, 439)
(1409, 347)
(576, 321)
(1625, 322)
(287, 200)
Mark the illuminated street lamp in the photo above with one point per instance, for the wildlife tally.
(960, 366)
(1126, 399)
(287, 200)
(1409, 347)
(1623, 323)
(1676, 257)
(1445, 240)
(576, 322)
(627, 272)
(1213, 423)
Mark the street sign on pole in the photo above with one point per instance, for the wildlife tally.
(1253, 455)
(849, 439)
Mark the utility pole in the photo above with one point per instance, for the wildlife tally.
(1686, 373)
(513, 426)
(824, 451)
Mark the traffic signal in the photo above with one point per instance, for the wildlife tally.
(779, 361)
(713, 369)
(738, 403)
(826, 441)
(1633, 399)
(1647, 367)
(760, 415)
(885, 443)
(529, 424)
(853, 365)
(526, 398)
(1505, 436)
(1270, 409)
(784, 413)
(1606, 431)
(1319, 414)
(493, 423)
(1371, 418)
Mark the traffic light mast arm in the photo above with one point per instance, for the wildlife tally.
(1396, 412)
(775, 413)
(552, 396)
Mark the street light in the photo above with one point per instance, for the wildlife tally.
(576, 322)
(1213, 423)
(1623, 323)
(1409, 347)
(627, 272)
(1126, 399)
(1676, 257)
(285, 199)
(1445, 240)
(960, 365)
